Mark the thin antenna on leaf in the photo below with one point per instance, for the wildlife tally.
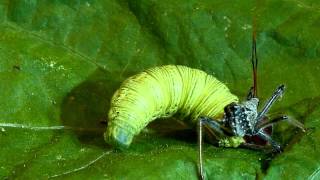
(254, 58)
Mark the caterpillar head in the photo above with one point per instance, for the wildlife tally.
(117, 136)
(241, 118)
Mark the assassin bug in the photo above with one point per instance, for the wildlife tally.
(243, 121)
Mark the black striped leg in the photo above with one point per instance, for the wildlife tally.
(275, 146)
(215, 128)
(290, 120)
(278, 93)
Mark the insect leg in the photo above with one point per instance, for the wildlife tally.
(255, 147)
(276, 146)
(288, 119)
(215, 127)
(200, 148)
(218, 132)
(278, 93)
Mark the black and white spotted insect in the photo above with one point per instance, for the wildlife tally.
(243, 121)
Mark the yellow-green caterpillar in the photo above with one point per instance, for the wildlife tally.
(162, 92)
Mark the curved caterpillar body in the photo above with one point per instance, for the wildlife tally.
(162, 92)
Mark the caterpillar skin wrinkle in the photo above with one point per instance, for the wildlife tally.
(163, 92)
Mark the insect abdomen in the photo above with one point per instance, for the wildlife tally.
(162, 92)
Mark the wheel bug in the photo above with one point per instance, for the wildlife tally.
(244, 120)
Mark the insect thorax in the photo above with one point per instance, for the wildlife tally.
(241, 118)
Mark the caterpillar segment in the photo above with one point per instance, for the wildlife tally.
(163, 92)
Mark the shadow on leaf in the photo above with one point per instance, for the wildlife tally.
(85, 108)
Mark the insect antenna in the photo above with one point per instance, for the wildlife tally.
(254, 59)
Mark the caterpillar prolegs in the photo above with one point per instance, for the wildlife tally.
(163, 92)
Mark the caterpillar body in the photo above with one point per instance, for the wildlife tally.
(163, 92)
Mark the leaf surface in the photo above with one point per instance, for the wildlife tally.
(61, 61)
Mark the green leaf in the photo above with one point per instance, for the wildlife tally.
(61, 61)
